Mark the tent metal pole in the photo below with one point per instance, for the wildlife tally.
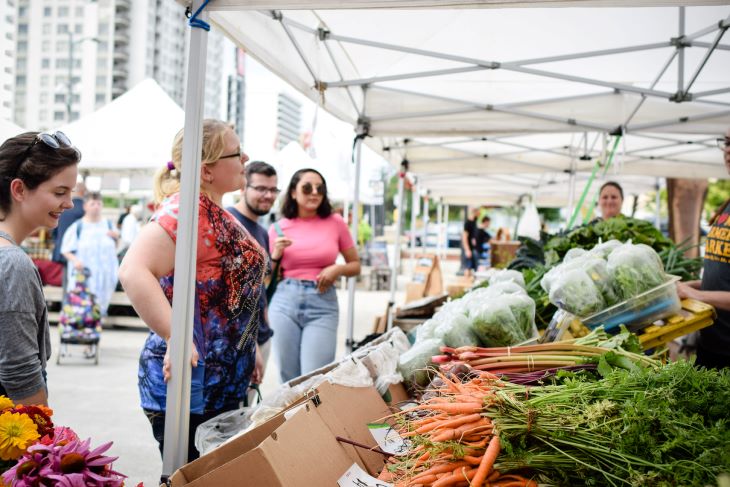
(658, 202)
(339, 73)
(676, 121)
(680, 50)
(710, 28)
(181, 333)
(579, 55)
(705, 58)
(477, 156)
(298, 48)
(555, 99)
(445, 220)
(673, 160)
(532, 149)
(424, 215)
(439, 227)
(430, 113)
(506, 109)
(589, 81)
(700, 94)
(414, 220)
(352, 281)
(398, 77)
(398, 232)
(653, 84)
(723, 47)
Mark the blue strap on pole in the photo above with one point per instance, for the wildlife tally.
(194, 21)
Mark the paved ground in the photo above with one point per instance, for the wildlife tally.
(102, 401)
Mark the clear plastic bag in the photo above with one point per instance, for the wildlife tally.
(414, 363)
(218, 430)
(523, 309)
(506, 275)
(604, 249)
(495, 325)
(635, 269)
(574, 254)
(457, 332)
(574, 291)
(504, 287)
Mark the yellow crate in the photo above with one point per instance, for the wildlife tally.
(694, 316)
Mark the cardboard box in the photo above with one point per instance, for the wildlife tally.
(427, 278)
(276, 445)
(301, 452)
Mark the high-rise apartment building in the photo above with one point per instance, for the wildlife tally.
(288, 120)
(8, 47)
(74, 56)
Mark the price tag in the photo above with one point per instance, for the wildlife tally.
(388, 439)
(357, 477)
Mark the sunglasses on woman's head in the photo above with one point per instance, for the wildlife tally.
(55, 140)
(308, 188)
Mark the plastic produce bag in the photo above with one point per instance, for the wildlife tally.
(529, 225)
(218, 430)
(635, 269)
(574, 291)
(505, 287)
(523, 309)
(496, 326)
(414, 363)
(574, 254)
(457, 332)
(427, 330)
(603, 250)
(507, 276)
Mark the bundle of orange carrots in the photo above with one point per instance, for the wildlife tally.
(453, 443)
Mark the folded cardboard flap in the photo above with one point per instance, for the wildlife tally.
(347, 412)
(286, 458)
(228, 451)
(283, 452)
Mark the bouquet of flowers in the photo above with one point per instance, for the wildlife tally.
(35, 453)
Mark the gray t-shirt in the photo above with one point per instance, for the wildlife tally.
(25, 341)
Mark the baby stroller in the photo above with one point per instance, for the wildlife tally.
(80, 320)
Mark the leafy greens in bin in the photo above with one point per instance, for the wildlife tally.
(635, 269)
(588, 284)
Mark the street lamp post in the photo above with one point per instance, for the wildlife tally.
(70, 83)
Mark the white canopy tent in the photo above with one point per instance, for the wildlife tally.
(442, 73)
(132, 134)
(9, 129)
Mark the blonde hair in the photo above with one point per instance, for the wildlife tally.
(167, 180)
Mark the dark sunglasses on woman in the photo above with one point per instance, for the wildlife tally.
(308, 188)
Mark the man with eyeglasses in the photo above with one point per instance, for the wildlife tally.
(713, 347)
(257, 197)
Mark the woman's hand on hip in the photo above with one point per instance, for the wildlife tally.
(167, 366)
(327, 277)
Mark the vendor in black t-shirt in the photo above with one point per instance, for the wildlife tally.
(469, 242)
(483, 236)
(713, 348)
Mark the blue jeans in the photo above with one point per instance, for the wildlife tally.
(305, 327)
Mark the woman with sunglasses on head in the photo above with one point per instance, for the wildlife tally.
(37, 175)
(304, 312)
(228, 284)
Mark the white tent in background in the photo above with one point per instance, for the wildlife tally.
(9, 129)
(133, 133)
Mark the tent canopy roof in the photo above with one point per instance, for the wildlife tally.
(9, 129)
(429, 75)
(132, 133)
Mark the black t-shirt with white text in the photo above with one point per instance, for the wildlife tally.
(716, 277)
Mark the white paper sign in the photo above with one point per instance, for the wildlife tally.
(388, 439)
(357, 477)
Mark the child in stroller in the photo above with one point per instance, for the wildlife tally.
(80, 320)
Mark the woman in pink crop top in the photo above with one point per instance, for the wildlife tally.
(304, 312)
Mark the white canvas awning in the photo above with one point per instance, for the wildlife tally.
(133, 133)
(532, 81)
